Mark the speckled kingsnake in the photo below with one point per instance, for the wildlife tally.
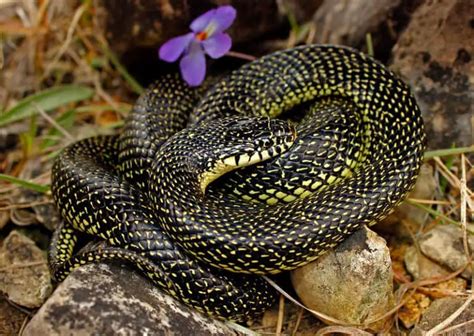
(356, 155)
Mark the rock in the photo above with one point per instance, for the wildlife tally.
(24, 275)
(420, 267)
(340, 21)
(444, 244)
(129, 24)
(352, 283)
(440, 310)
(434, 56)
(425, 189)
(100, 299)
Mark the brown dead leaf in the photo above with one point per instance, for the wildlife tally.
(446, 288)
(410, 313)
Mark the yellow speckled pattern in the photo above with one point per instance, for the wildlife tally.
(357, 153)
(260, 239)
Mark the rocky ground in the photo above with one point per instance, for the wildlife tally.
(70, 70)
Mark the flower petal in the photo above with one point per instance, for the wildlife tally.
(217, 45)
(199, 24)
(223, 18)
(172, 49)
(193, 67)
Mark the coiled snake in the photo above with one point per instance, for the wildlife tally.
(147, 194)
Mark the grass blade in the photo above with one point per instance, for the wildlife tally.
(65, 120)
(25, 184)
(448, 151)
(369, 44)
(435, 213)
(135, 86)
(47, 100)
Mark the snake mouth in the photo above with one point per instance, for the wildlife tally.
(244, 160)
(276, 139)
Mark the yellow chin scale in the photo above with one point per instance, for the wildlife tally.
(233, 162)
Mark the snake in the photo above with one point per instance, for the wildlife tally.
(205, 190)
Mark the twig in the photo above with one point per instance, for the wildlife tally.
(453, 179)
(281, 312)
(15, 305)
(463, 210)
(53, 122)
(241, 329)
(463, 188)
(30, 264)
(23, 325)
(70, 32)
(450, 318)
(423, 201)
(457, 326)
(24, 205)
(41, 12)
(104, 95)
(395, 309)
(298, 321)
(296, 302)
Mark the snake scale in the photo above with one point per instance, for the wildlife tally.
(147, 193)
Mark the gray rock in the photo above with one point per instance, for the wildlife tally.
(434, 56)
(444, 244)
(421, 267)
(339, 21)
(100, 299)
(24, 275)
(424, 189)
(352, 283)
(440, 310)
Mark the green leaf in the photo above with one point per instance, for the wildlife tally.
(47, 100)
(25, 184)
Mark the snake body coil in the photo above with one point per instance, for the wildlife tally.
(147, 192)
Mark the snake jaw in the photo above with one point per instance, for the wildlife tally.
(278, 136)
(233, 162)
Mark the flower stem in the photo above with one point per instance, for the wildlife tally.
(240, 55)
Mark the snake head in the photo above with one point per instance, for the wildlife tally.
(243, 141)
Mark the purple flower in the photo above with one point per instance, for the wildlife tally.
(207, 37)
